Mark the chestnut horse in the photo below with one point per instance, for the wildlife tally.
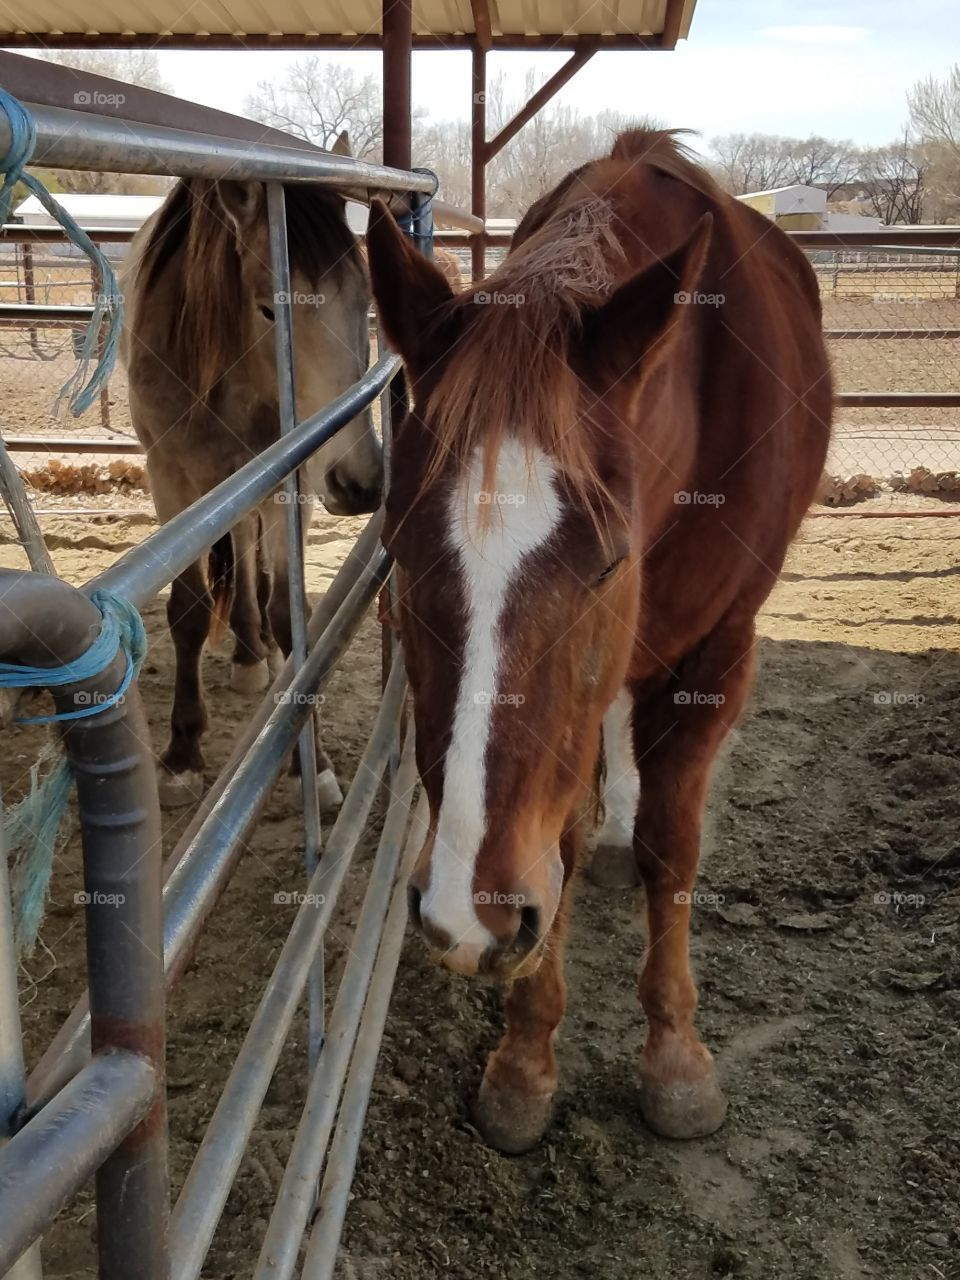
(590, 500)
(199, 350)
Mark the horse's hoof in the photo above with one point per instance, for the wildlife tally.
(683, 1110)
(249, 678)
(512, 1122)
(613, 866)
(176, 790)
(328, 791)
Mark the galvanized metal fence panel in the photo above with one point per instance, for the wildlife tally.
(105, 1113)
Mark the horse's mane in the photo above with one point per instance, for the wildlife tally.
(510, 370)
(207, 313)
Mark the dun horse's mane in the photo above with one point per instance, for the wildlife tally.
(510, 371)
(207, 315)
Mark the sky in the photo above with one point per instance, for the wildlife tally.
(840, 68)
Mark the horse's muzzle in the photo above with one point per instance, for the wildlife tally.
(515, 945)
(346, 496)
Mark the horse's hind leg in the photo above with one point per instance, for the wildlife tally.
(189, 613)
(249, 672)
(515, 1102)
(614, 862)
(678, 732)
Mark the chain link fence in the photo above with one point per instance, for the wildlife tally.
(891, 316)
(892, 320)
(46, 293)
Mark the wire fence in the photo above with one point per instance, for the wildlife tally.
(891, 315)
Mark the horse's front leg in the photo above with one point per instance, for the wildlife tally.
(515, 1102)
(679, 731)
(189, 613)
(278, 612)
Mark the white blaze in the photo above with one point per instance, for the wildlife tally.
(493, 533)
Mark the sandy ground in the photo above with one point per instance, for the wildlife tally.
(829, 983)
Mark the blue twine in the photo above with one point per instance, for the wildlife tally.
(122, 626)
(31, 826)
(405, 220)
(23, 138)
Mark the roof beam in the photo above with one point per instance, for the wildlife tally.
(543, 95)
(564, 43)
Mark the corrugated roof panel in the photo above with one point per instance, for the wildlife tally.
(332, 17)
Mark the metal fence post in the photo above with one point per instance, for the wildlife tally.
(48, 623)
(283, 331)
(12, 1073)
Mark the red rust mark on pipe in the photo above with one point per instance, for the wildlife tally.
(148, 1040)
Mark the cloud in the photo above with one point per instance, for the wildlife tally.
(812, 34)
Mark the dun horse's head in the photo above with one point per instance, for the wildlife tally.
(513, 517)
(330, 299)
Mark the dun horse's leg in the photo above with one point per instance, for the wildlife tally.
(614, 863)
(278, 612)
(189, 613)
(515, 1102)
(249, 673)
(678, 734)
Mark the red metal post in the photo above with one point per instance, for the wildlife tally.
(478, 157)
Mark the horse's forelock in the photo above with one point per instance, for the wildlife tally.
(525, 331)
(208, 333)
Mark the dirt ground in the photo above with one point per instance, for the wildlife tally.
(828, 974)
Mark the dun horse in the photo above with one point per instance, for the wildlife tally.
(199, 350)
(590, 501)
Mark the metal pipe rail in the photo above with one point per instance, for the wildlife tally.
(145, 569)
(200, 866)
(84, 140)
(52, 1156)
(120, 828)
(208, 1184)
(127, 988)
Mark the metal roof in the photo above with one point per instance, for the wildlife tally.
(652, 24)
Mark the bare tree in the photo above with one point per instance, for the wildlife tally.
(139, 67)
(823, 162)
(556, 140)
(133, 66)
(894, 178)
(935, 122)
(317, 100)
(743, 162)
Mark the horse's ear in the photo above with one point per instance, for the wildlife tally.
(637, 327)
(408, 288)
(242, 202)
(342, 145)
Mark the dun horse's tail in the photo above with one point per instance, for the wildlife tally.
(220, 569)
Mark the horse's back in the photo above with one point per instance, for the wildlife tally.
(755, 379)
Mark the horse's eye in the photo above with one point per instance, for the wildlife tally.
(611, 569)
(266, 312)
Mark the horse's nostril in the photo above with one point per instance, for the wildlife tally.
(347, 496)
(413, 907)
(528, 935)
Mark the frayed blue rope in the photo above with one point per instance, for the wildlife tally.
(405, 221)
(23, 136)
(31, 827)
(122, 627)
